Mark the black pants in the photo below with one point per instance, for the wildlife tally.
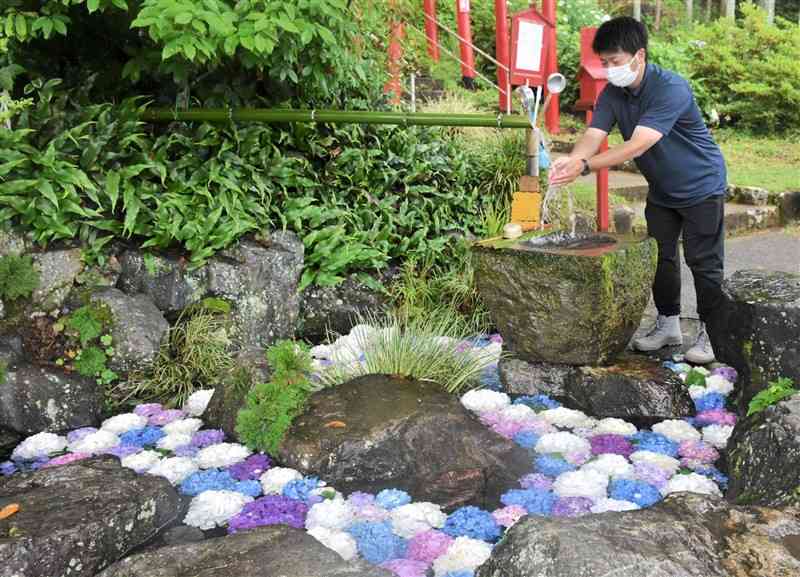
(703, 227)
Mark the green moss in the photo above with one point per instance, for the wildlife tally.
(18, 277)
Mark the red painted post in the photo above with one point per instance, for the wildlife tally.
(552, 117)
(394, 84)
(602, 187)
(502, 43)
(431, 31)
(467, 56)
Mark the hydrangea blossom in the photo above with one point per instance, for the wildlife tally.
(221, 455)
(572, 506)
(552, 466)
(583, 483)
(339, 541)
(562, 442)
(123, 423)
(428, 545)
(536, 481)
(406, 567)
(483, 400)
(614, 426)
(251, 468)
(715, 417)
(577, 458)
(215, 508)
(518, 413)
(65, 459)
(677, 431)
(727, 373)
(655, 443)
(507, 429)
(715, 475)
(269, 510)
(95, 443)
(275, 479)
(409, 520)
(161, 418)
(209, 480)
(567, 418)
(376, 543)
(651, 474)
(197, 402)
(526, 439)
(698, 451)
(38, 446)
(718, 383)
(610, 465)
(537, 402)
(141, 462)
(148, 409)
(709, 402)
(174, 469)
(534, 501)
(693, 483)
(208, 437)
(122, 451)
(717, 435)
(605, 505)
(509, 516)
(371, 513)
(145, 437)
(78, 434)
(185, 451)
(667, 463)
(611, 443)
(472, 522)
(303, 490)
(7, 468)
(331, 514)
(639, 492)
(464, 554)
(183, 427)
(391, 498)
(173, 441)
(360, 499)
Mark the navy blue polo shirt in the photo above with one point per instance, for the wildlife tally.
(686, 166)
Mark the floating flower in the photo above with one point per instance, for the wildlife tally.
(148, 409)
(251, 468)
(727, 373)
(715, 475)
(302, 490)
(221, 455)
(123, 423)
(331, 514)
(141, 462)
(269, 510)
(339, 541)
(406, 567)
(507, 429)
(360, 499)
(606, 505)
(518, 413)
(509, 516)
(709, 402)
(173, 441)
(719, 384)
(215, 508)
(146, 437)
(651, 474)
(183, 427)
(185, 451)
(372, 513)
(95, 443)
(614, 426)
(209, 480)
(197, 402)
(391, 498)
(537, 403)
(526, 439)
(463, 573)
(677, 431)
(464, 554)
(610, 443)
(274, 480)
(483, 400)
(78, 434)
(122, 451)
(655, 443)
(490, 418)
(562, 442)
(698, 451)
(536, 481)
(208, 437)
(534, 501)
(65, 459)
(639, 492)
(693, 483)
(7, 468)
(567, 418)
(472, 522)
(409, 520)
(572, 506)
(667, 463)
(161, 418)
(715, 417)
(539, 427)
(376, 543)
(428, 545)
(610, 465)
(583, 483)
(38, 446)
(174, 469)
(717, 435)
(552, 466)
(578, 458)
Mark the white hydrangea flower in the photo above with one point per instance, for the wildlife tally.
(274, 480)
(210, 509)
(408, 520)
(484, 400)
(562, 442)
(183, 427)
(490, 352)
(696, 391)
(463, 554)
(719, 384)
(584, 432)
(567, 418)
(613, 426)
(221, 455)
(174, 469)
(39, 445)
(605, 505)
(612, 465)
(676, 430)
(173, 441)
(339, 541)
(663, 461)
(141, 462)
(693, 483)
(329, 514)
(581, 483)
(320, 352)
(518, 413)
(717, 435)
(95, 443)
(197, 403)
(123, 423)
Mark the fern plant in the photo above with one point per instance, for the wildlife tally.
(775, 392)
(18, 277)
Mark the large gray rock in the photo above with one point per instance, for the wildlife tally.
(789, 204)
(751, 195)
(758, 332)
(57, 273)
(560, 303)
(162, 278)
(230, 395)
(8, 440)
(686, 535)
(634, 387)
(261, 280)
(138, 330)
(39, 398)
(77, 519)
(263, 552)
(405, 434)
(13, 243)
(764, 456)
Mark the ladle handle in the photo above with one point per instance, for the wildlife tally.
(544, 108)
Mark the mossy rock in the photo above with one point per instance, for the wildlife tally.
(577, 306)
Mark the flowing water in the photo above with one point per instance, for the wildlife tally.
(549, 196)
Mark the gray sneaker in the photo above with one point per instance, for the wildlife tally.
(701, 353)
(666, 332)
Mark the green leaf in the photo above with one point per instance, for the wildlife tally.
(288, 25)
(22, 26)
(184, 18)
(112, 188)
(92, 5)
(326, 35)
(59, 26)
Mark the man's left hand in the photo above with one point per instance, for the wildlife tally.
(565, 169)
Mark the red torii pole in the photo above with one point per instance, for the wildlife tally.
(465, 32)
(430, 29)
(502, 51)
(552, 118)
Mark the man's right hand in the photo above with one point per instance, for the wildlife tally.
(565, 169)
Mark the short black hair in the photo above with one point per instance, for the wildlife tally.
(622, 33)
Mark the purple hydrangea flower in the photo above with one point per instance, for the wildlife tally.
(122, 451)
(7, 468)
(651, 474)
(251, 468)
(65, 459)
(536, 481)
(611, 443)
(715, 417)
(185, 451)
(406, 567)
(148, 409)
(165, 417)
(360, 499)
(428, 545)
(572, 506)
(507, 429)
(709, 402)
(208, 437)
(270, 510)
(78, 434)
(496, 338)
(490, 418)
(727, 373)
(698, 451)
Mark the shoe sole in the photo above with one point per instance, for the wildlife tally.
(671, 343)
(699, 361)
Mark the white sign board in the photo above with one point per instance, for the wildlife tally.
(529, 46)
(463, 5)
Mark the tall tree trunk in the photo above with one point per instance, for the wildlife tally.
(689, 10)
(659, 6)
(730, 9)
(708, 10)
(637, 10)
(769, 5)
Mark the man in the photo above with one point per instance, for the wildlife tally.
(665, 134)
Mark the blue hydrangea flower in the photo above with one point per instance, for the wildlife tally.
(250, 488)
(639, 492)
(537, 402)
(535, 501)
(208, 480)
(490, 378)
(376, 543)
(148, 436)
(709, 402)
(527, 439)
(553, 466)
(715, 475)
(7, 468)
(472, 522)
(655, 443)
(300, 489)
(462, 573)
(392, 498)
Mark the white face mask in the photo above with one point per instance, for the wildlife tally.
(622, 76)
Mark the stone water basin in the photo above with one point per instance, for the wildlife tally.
(569, 299)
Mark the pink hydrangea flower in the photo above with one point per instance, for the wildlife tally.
(406, 567)
(536, 481)
(428, 545)
(715, 417)
(698, 451)
(507, 429)
(148, 409)
(162, 418)
(578, 457)
(508, 516)
(65, 459)
(490, 418)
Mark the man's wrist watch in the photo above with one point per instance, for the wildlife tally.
(586, 170)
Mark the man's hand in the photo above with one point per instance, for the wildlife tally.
(565, 169)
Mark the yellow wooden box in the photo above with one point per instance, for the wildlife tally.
(526, 208)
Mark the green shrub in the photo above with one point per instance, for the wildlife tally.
(87, 330)
(18, 277)
(775, 392)
(271, 407)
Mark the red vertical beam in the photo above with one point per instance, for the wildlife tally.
(552, 118)
(394, 85)
(501, 49)
(602, 187)
(431, 31)
(465, 31)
